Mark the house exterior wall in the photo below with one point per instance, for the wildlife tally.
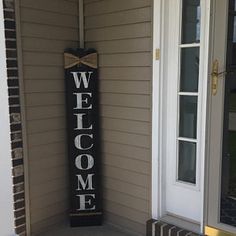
(46, 29)
(121, 33)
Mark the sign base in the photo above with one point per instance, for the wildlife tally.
(91, 219)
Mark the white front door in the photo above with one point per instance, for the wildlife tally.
(184, 102)
(221, 198)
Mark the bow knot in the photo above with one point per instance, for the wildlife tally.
(88, 60)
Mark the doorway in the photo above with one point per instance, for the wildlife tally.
(221, 194)
(183, 110)
(197, 171)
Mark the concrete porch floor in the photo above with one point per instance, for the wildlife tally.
(105, 230)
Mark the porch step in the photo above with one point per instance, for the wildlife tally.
(160, 228)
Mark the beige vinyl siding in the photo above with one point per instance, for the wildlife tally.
(121, 32)
(47, 28)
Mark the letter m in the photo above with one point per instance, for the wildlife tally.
(81, 77)
(87, 184)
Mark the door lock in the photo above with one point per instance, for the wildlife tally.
(215, 75)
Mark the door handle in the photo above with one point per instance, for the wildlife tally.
(215, 75)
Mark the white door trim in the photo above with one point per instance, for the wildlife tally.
(204, 103)
(156, 105)
(6, 195)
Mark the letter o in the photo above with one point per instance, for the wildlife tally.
(90, 162)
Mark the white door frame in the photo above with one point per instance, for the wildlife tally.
(158, 92)
(6, 182)
(157, 66)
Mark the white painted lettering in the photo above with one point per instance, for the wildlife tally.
(79, 118)
(86, 202)
(82, 77)
(87, 184)
(82, 101)
(90, 162)
(78, 140)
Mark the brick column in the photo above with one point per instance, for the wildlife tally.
(15, 117)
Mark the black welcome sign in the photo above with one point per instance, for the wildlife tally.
(81, 77)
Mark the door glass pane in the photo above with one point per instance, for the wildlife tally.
(228, 188)
(191, 21)
(234, 31)
(228, 171)
(187, 162)
(189, 69)
(233, 42)
(188, 117)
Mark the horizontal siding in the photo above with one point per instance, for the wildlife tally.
(127, 138)
(125, 223)
(45, 225)
(122, 45)
(47, 28)
(135, 127)
(126, 188)
(93, 7)
(129, 113)
(48, 32)
(46, 201)
(43, 151)
(37, 113)
(45, 45)
(131, 165)
(126, 200)
(58, 6)
(128, 151)
(126, 212)
(48, 188)
(121, 33)
(46, 98)
(44, 163)
(131, 16)
(46, 138)
(48, 18)
(125, 175)
(45, 125)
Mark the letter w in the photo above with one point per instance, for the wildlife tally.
(82, 77)
(86, 185)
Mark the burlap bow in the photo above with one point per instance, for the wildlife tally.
(88, 60)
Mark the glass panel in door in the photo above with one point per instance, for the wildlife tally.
(228, 178)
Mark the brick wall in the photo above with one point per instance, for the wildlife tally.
(15, 117)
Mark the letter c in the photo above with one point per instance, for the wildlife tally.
(78, 139)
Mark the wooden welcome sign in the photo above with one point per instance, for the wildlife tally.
(81, 77)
